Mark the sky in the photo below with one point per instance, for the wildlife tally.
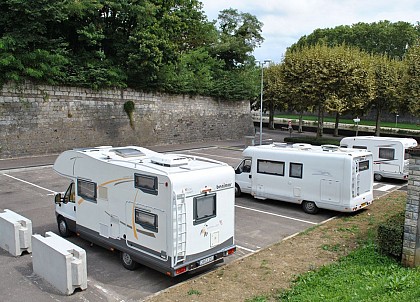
(285, 21)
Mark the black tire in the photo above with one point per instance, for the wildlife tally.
(377, 177)
(237, 191)
(310, 207)
(63, 227)
(128, 262)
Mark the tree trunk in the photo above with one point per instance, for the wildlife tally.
(320, 130)
(271, 116)
(337, 119)
(378, 122)
(300, 122)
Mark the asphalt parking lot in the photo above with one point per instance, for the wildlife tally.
(28, 186)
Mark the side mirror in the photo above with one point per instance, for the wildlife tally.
(58, 198)
(238, 171)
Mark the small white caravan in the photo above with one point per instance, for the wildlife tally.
(171, 212)
(315, 176)
(390, 156)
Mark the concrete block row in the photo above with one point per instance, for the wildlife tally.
(55, 259)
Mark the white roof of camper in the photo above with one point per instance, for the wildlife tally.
(407, 142)
(305, 148)
(137, 158)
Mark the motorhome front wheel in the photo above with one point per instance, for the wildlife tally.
(378, 177)
(128, 262)
(63, 228)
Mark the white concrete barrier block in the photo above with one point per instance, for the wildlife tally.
(59, 262)
(15, 233)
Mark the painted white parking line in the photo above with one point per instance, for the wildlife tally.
(385, 188)
(29, 183)
(246, 249)
(212, 155)
(278, 215)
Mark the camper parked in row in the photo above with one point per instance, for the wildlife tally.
(390, 156)
(315, 176)
(171, 212)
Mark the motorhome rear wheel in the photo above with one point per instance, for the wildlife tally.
(378, 177)
(128, 262)
(310, 207)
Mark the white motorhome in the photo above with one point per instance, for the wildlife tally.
(390, 156)
(171, 212)
(315, 176)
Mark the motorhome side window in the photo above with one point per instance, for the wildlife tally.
(147, 220)
(270, 167)
(387, 153)
(87, 190)
(204, 208)
(296, 170)
(359, 147)
(146, 183)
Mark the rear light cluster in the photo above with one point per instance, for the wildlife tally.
(195, 265)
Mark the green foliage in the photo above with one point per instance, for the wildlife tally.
(150, 45)
(194, 292)
(390, 235)
(383, 37)
(313, 140)
(364, 275)
(129, 110)
(411, 80)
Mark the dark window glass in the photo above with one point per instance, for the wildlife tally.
(147, 220)
(296, 170)
(360, 147)
(204, 208)
(364, 165)
(146, 183)
(86, 190)
(270, 167)
(386, 153)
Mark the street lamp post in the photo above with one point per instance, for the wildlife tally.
(261, 63)
(396, 120)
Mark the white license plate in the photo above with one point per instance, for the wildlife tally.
(206, 260)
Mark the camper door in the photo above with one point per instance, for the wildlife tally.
(243, 175)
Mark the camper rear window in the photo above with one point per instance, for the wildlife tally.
(386, 153)
(146, 183)
(270, 167)
(204, 208)
(86, 190)
(147, 220)
(359, 147)
(363, 165)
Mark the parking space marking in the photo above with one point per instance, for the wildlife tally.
(384, 188)
(213, 155)
(246, 249)
(278, 215)
(29, 183)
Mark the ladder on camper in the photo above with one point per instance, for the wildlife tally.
(180, 227)
(356, 179)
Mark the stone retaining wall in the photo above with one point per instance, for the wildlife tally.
(48, 119)
(411, 243)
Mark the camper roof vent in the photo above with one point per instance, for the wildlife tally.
(329, 148)
(128, 152)
(169, 160)
(302, 146)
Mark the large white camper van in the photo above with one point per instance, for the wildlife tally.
(390, 156)
(314, 176)
(171, 212)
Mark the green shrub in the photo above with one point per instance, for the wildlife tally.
(390, 235)
(313, 140)
(129, 109)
